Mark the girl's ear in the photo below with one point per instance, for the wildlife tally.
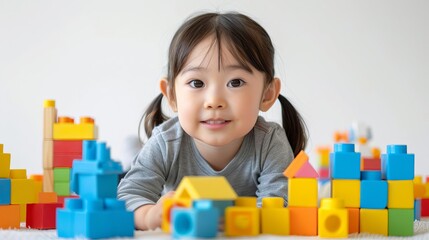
(167, 91)
(270, 95)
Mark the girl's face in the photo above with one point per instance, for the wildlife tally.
(217, 105)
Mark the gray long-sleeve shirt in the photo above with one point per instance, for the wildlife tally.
(170, 154)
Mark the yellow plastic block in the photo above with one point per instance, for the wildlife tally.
(333, 219)
(167, 206)
(303, 221)
(274, 217)
(22, 191)
(400, 194)
(38, 184)
(427, 190)
(348, 190)
(323, 153)
(9, 216)
(22, 212)
(71, 131)
(354, 215)
(204, 187)
(246, 202)
(4, 164)
(295, 165)
(302, 192)
(242, 221)
(374, 221)
(18, 174)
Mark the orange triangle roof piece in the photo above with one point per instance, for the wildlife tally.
(296, 164)
(307, 171)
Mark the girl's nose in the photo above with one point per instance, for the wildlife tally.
(214, 100)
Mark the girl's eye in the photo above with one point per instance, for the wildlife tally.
(236, 83)
(196, 84)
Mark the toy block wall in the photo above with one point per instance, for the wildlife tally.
(94, 179)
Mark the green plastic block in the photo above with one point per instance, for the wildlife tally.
(401, 222)
(62, 175)
(62, 189)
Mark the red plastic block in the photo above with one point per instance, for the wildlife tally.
(68, 146)
(371, 164)
(42, 215)
(425, 207)
(65, 161)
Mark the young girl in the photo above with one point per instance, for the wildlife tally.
(220, 75)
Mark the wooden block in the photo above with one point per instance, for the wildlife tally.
(48, 180)
(48, 154)
(49, 118)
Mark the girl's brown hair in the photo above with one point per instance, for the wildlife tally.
(248, 42)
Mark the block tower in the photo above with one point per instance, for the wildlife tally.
(16, 191)
(302, 196)
(62, 143)
(97, 213)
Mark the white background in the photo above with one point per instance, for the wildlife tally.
(339, 61)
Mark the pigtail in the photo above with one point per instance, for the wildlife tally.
(294, 126)
(153, 116)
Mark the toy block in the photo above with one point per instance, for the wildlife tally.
(205, 187)
(324, 173)
(49, 118)
(341, 136)
(68, 146)
(22, 191)
(303, 221)
(220, 205)
(296, 164)
(47, 197)
(345, 162)
(38, 183)
(400, 194)
(246, 202)
(18, 174)
(4, 164)
(48, 180)
(22, 212)
(62, 175)
(48, 154)
(401, 222)
(66, 130)
(65, 161)
(195, 223)
(374, 221)
(242, 221)
(306, 171)
(373, 194)
(425, 207)
(354, 215)
(274, 216)
(96, 175)
(417, 209)
(348, 190)
(42, 215)
(167, 205)
(397, 164)
(62, 188)
(371, 175)
(9, 216)
(323, 153)
(93, 219)
(373, 164)
(419, 190)
(426, 190)
(333, 219)
(302, 192)
(61, 199)
(4, 191)
(376, 152)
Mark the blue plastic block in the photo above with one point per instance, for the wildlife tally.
(417, 209)
(344, 162)
(65, 217)
(207, 204)
(371, 175)
(4, 191)
(97, 186)
(194, 223)
(397, 164)
(373, 194)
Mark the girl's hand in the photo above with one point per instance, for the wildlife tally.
(150, 216)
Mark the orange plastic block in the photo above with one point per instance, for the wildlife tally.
(374, 221)
(333, 219)
(295, 165)
(274, 216)
(242, 221)
(47, 197)
(354, 215)
(419, 190)
(38, 184)
(302, 192)
(303, 221)
(9, 216)
(167, 205)
(66, 130)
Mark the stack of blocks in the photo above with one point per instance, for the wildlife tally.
(323, 155)
(97, 213)
(16, 192)
(302, 196)
(379, 201)
(62, 143)
(421, 198)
